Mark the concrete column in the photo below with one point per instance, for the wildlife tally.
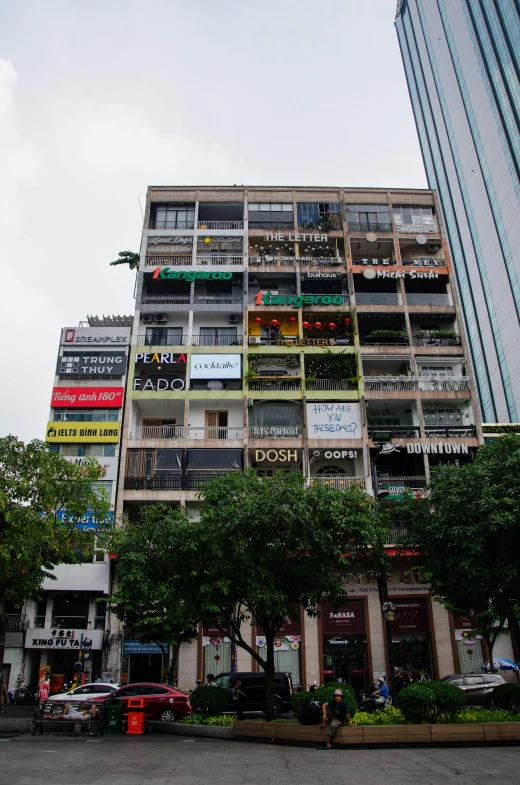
(377, 638)
(188, 665)
(443, 639)
(244, 659)
(48, 612)
(312, 629)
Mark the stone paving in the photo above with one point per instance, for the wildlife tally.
(157, 760)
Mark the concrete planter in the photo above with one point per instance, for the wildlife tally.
(178, 729)
(22, 725)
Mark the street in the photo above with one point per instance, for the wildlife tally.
(157, 760)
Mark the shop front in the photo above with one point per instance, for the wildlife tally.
(470, 647)
(411, 640)
(287, 648)
(144, 662)
(344, 641)
(59, 649)
(216, 652)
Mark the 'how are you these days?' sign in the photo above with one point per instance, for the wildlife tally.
(334, 420)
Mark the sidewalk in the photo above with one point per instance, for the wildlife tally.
(166, 760)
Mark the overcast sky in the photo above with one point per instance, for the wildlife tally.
(100, 99)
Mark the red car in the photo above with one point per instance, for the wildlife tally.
(161, 702)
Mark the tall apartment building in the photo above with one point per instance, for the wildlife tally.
(462, 63)
(285, 328)
(85, 421)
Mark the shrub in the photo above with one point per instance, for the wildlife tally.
(326, 693)
(433, 702)
(223, 720)
(390, 716)
(477, 714)
(298, 702)
(209, 701)
(507, 696)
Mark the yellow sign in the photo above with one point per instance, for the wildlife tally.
(82, 432)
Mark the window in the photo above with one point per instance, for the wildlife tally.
(163, 336)
(276, 414)
(319, 215)
(437, 371)
(473, 680)
(270, 214)
(73, 449)
(216, 424)
(172, 216)
(129, 692)
(103, 688)
(368, 215)
(155, 691)
(414, 216)
(93, 415)
(106, 484)
(217, 336)
(102, 450)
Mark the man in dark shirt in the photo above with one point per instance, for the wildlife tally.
(335, 712)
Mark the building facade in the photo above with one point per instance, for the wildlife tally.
(462, 63)
(280, 328)
(85, 421)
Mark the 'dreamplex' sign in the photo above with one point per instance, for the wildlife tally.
(215, 366)
(96, 335)
(333, 420)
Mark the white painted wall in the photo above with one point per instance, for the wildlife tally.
(188, 654)
(79, 577)
(198, 408)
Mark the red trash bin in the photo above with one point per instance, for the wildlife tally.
(136, 708)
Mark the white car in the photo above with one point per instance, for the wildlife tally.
(84, 692)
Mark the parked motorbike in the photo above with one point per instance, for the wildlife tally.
(367, 702)
(23, 696)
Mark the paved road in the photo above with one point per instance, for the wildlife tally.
(161, 760)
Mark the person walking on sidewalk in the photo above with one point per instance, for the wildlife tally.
(239, 699)
(335, 713)
(43, 690)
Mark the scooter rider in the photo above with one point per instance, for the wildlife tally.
(381, 693)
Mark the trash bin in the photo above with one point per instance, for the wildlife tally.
(113, 712)
(135, 715)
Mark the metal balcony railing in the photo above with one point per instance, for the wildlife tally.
(340, 482)
(369, 227)
(166, 299)
(398, 431)
(271, 261)
(374, 261)
(339, 340)
(273, 226)
(167, 261)
(218, 299)
(16, 622)
(389, 383)
(331, 385)
(275, 432)
(217, 340)
(381, 340)
(450, 431)
(395, 535)
(431, 340)
(445, 385)
(322, 261)
(400, 481)
(276, 385)
(195, 479)
(162, 340)
(415, 298)
(333, 222)
(216, 385)
(215, 432)
(70, 622)
(156, 432)
(172, 225)
(166, 481)
(221, 224)
(377, 298)
(220, 261)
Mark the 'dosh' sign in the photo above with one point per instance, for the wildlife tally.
(215, 366)
(333, 420)
(87, 397)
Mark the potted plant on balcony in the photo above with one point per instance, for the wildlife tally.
(388, 335)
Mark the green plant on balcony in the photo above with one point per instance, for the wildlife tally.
(387, 334)
(438, 334)
(338, 366)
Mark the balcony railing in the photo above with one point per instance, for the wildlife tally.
(166, 299)
(377, 298)
(431, 340)
(172, 225)
(197, 479)
(16, 622)
(156, 432)
(339, 340)
(371, 261)
(167, 261)
(417, 229)
(340, 482)
(331, 223)
(389, 383)
(369, 227)
(215, 432)
(414, 298)
(446, 385)
(277, 385)
(166, 481)
(395, 536)
(398, 431)
(401, 481)
(216, 385)
(382, 340)
(219, 261)
(271, 261)
(450, 431)
(273, 226)
(275, 432)
(217, 340)
(221, 224)
(162, 340)
(423, 262)
(218, 299)
(331, 385)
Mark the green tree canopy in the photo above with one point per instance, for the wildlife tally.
(37, 485)
(127, 257)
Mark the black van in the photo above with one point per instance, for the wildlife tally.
(253, 684)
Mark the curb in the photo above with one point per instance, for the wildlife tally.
(207, 731)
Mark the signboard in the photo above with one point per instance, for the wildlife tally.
(276, 456)
(89, 521)
(348, 619)
(109, 465)
(296, 237)
(191, 275)
(438, 448)
(322, 275)
(410, 616)
(100, 432)
(400, 491)
(159, 358)
(333, 420)
(297, 300)
(170, 240)
(91, 364)
(87, 397)
(215, 366)
(291, 626)
(136, 647)
(334, 454)
(343, 341)
(370, 273)
(159, 385)
(62, 639)
(104, 336)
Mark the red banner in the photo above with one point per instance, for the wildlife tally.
(347, 619)
(87, 397)
(410, 616)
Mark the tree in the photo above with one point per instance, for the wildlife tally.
(127, 257)
(37, 485)
(468, 535)
(150, 595)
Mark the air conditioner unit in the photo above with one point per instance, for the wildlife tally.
(233, 318)
(255, 339)
(147, 318)
(160, 318)
(250, 402)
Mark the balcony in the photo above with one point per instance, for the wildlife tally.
(156, 432)
(275, 431)
(389, 383)
(16, 622)
(166, 299)
(398, 431)
(217, 340)
(172, 481)
(385, 338)
(332, 222)
(271, 261)
(218, 299)
(445, 385)
(378, 298)
(162, 340)
(433, 298)
(219, 261)
(221, 225)
(395, 536)
(266, 384)
(216, 385)
(340, 483)
(450, 432)
(400, 482)
(215, 432)
(181, 225)
(273, 226)
(369, 227)
(330, 385)
(167, 261)
(436, 340)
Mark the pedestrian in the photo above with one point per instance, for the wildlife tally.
(210, 681)
(335, 712)
(239, 698)
(43, 690)
(381, 692)
(98, 680)
(4, 695)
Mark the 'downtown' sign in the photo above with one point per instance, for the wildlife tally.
(436, 448)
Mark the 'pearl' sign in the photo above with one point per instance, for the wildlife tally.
(334, 420)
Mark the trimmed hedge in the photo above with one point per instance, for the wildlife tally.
(431, 702)
(507, 696)
(209, 701)
(326, 693)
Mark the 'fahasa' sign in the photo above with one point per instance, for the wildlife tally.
(215, 366)
(333, 420)
(87, 397)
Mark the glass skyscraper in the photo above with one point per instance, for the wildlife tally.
(462, 63)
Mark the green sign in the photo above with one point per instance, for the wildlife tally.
(297, 300)
(191, 275)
